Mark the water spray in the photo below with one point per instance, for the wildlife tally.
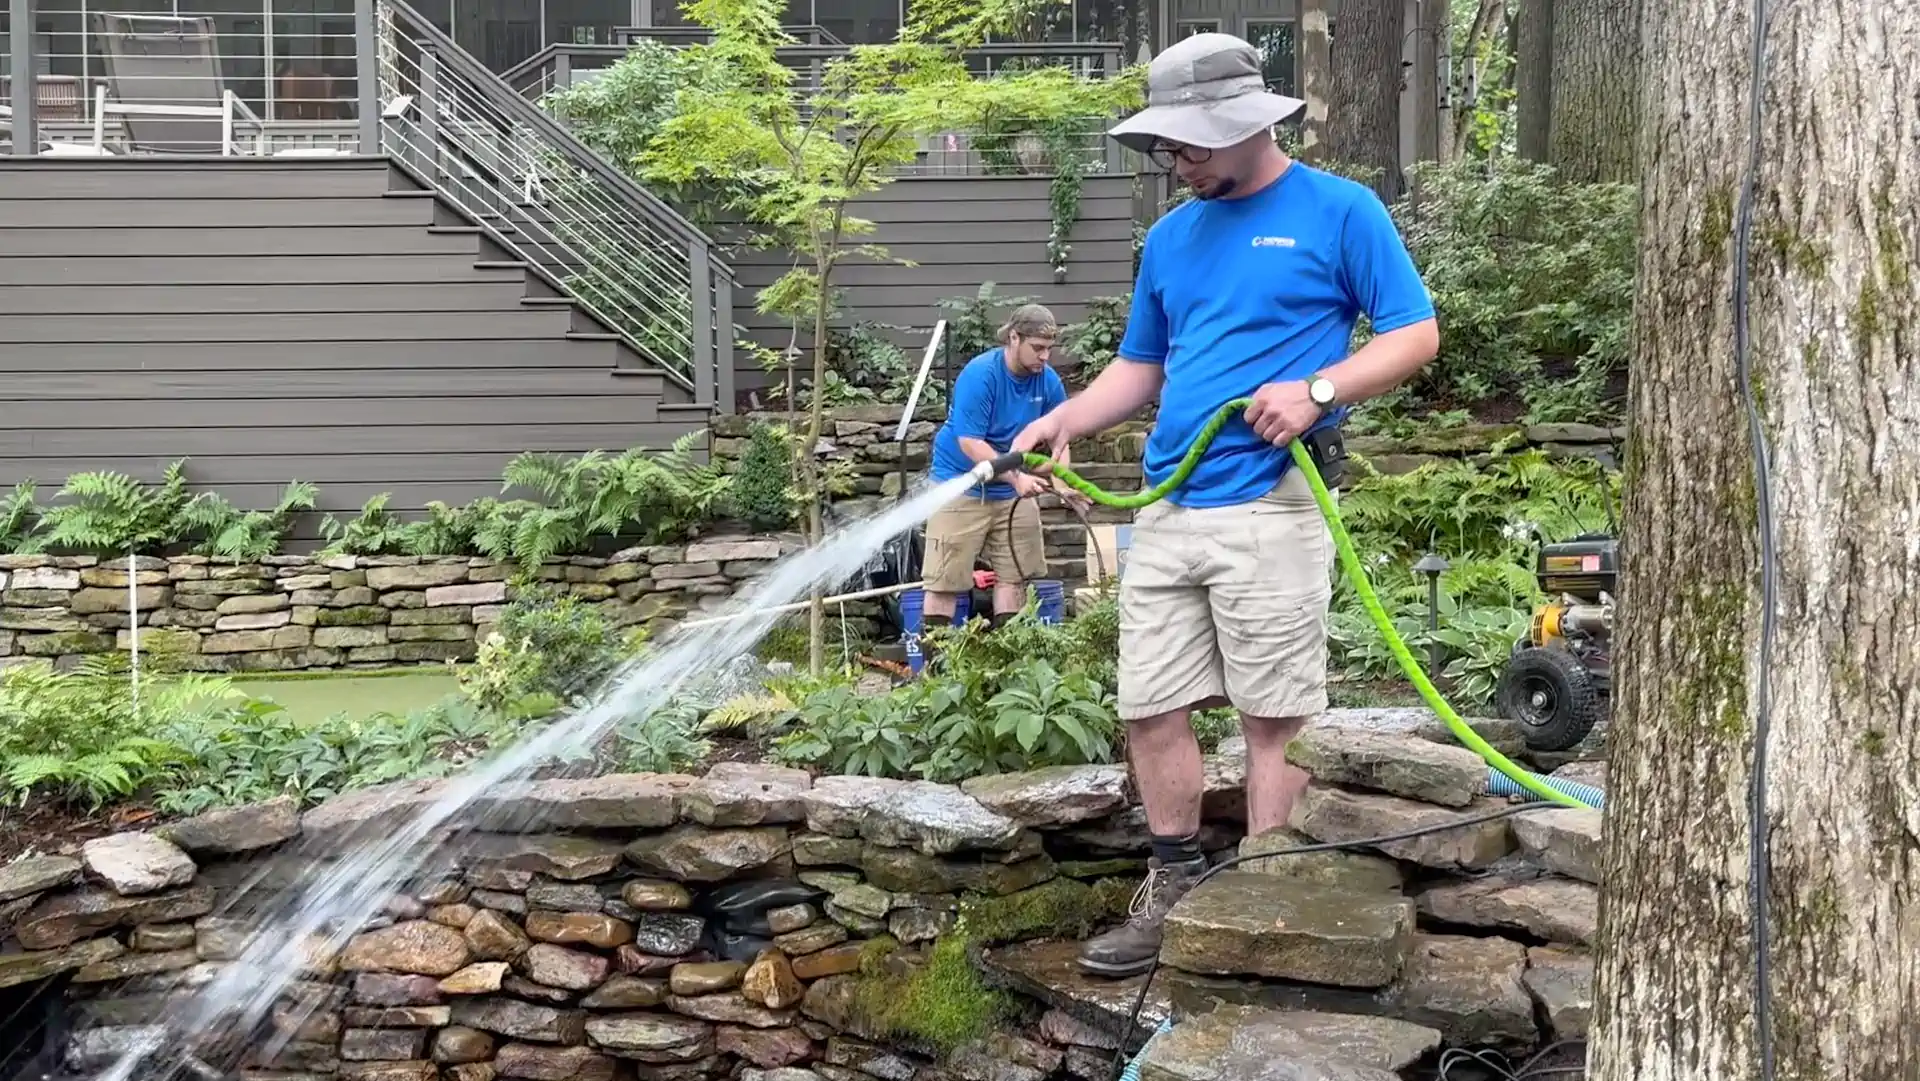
(1560, 792)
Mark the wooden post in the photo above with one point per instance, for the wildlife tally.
(25, 80)
(366, 53)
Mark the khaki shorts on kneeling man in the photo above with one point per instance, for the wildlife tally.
(1227, 605)
(970, 527)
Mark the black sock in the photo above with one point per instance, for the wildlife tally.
(1170, 850)
(999, 619)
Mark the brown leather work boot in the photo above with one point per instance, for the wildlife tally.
(1130, 949)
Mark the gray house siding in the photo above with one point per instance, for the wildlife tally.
(960, 232)
(272, 320)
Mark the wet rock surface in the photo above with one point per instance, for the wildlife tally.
(1236, 1043)
(1060, 796)
(1556, 909)
(1404, 766)
(1564, 840)
(234, 830)
(132, 864)
(1561, 982)
(1333, 814)
(1240, 923)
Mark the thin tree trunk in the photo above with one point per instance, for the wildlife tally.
(1489, 20)
(1596, 89)
(1363, 124)
(1316, 77)
(1835, 332)
(815, 496)
(1533, 77)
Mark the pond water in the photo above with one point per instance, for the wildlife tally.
(360, 694)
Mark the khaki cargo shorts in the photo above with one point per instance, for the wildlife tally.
(961, 531)
(1228, 605)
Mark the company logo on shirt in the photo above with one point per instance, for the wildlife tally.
(1273, 242)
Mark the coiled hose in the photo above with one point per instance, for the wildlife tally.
(1521, 780)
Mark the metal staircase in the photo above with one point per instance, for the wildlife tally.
(632, 262)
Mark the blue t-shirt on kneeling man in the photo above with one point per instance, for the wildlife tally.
(1237, 293)
(992, 404)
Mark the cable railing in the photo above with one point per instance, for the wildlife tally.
(959, 152)
(637, 265)
(232, 78)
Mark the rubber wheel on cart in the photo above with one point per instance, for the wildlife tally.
(1553, 697)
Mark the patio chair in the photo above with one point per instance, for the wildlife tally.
(163, 83)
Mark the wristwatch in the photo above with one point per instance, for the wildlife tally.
(1321, 390)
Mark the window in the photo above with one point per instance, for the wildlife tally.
(1276, 41)
(1186, 28)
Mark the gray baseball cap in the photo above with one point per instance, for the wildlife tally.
(1208, 91)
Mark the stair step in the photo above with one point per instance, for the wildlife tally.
(588, 336)
(499, 264)
(407, 193)
(456, 230)
(547, 302)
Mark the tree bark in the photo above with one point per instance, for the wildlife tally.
(1363, 121)
(1435, 27)
(1835, 333)
(1596, 89)
(1316, 78)
(1533, 77)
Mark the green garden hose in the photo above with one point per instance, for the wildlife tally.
(1349, 560)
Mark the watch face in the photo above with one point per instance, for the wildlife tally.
(1321, 391)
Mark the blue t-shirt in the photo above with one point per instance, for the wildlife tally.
(1237, 293)
(992, 404)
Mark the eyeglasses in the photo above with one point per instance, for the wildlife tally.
(1164, 154)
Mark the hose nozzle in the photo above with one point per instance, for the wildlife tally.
(999, 467)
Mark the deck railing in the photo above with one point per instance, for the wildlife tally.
(633, 261)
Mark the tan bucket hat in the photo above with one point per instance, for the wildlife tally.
(1207, 91)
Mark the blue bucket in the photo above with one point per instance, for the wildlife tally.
(1053, 600)
(913, 622)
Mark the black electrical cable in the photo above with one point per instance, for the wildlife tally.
(1757, 832)
(1014, 549)
(1120, 1052)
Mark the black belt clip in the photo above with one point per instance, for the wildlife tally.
(1327, 446)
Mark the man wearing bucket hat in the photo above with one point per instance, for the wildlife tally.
(1252, 288)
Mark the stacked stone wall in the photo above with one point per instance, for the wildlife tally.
(762, 924)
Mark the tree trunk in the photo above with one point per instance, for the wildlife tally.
(1435, 27)
(813, 489)
(1490, 19)
(1363, 122)
(1835, 333)
(1533, 77)
(1316, 78)
(1596, 89)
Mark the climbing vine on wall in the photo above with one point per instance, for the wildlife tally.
(1027, 119)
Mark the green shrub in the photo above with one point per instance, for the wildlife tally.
(1488, 522)
(1024, 696)
(82, 737)
(1095, 340)
(1525, 270)
(762, 492)
(262, 752)
(20, 521)
(547, 648)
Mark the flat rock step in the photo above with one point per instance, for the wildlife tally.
(1238, 1043)
(1243, 923)
(1476, 991)
(1049, 971)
